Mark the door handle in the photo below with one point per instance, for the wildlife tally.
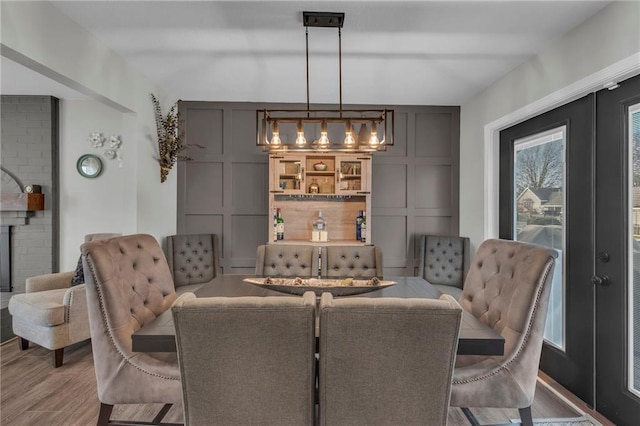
(602, 280)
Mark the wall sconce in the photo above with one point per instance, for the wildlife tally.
(269, 123)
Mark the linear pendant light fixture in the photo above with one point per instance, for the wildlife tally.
(309, 129)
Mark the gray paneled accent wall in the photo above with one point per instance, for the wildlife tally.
(223, 189)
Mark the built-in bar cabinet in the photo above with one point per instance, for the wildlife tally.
(338, 184)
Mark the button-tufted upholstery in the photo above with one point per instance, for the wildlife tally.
(444, 262)
(193, 260)
(386, 361)
(247, 360)
(128, 285)
(507, 288)
(279, 260)
(352, 261)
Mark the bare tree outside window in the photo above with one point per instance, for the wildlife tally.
(539, 166)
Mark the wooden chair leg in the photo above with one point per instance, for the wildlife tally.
(525, 416)
(105, 414)
(58, 354)
(23, 343)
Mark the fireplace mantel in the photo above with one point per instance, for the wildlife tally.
(20, 201)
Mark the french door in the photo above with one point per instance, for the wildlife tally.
(570, 179)
(546, 197)
(617, 267)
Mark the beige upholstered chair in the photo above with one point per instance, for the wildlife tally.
(247, 360)
(193, 260)
(386, 361)
(444, 262)
(352, 261)
(52, 312)
(280, 260)
(128, 285)
(508, 289)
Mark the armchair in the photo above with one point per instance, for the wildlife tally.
(52, 313)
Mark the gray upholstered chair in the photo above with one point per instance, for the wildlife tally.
(508, 289)
(52, 312)
(247, 360)
(386, 361)
(128, 285)
(352, 261)
(280, 260)
(444, 262)
(193, 260)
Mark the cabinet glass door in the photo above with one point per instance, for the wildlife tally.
(289, 175)
(351, 176)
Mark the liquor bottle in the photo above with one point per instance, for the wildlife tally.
(275, 224)
(279, 225)
(363, 228)
(320, 232)
(359, 226)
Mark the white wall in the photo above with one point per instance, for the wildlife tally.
(37, 35)
(608, 43)
(92, 205)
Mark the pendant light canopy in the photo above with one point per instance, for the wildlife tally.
(331, 130)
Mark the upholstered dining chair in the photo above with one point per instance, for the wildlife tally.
(507, 288)
(247, 360)
(193, 260)
(352, 261)
(281, 260)
(386, 361)
(52, 312)
(444, 262)
(128, 285)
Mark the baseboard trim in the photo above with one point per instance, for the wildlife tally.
(571, 400)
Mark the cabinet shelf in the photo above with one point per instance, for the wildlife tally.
(344, 190)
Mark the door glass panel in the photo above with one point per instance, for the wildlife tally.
(634, 251)
(539, 175)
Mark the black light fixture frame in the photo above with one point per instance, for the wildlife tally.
(377, 119)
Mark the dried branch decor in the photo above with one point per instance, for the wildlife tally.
(170, 138)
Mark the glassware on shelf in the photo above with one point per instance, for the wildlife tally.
(319, 232)
(313, 187)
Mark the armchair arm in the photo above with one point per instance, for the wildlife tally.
(49, 282)
(77, 315)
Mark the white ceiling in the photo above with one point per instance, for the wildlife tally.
(394, 52)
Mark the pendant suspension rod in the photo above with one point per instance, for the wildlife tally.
(307, 48)
(340, 65)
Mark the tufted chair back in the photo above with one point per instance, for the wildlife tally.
(444, 260)
(193, 259)
(508, 289)
(352, 261)
(276, 260)
(128, 285)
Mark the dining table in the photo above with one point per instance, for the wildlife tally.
(475, 337)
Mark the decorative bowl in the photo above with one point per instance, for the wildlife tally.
(337, 287)
(321, 167)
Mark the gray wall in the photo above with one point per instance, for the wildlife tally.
(29, 151)
(224, 188)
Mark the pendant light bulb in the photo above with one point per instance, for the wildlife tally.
(348, 135)
(300, 140)
(324, 139)
(275, 134)
(373, 140)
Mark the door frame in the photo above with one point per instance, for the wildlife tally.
(618, 71)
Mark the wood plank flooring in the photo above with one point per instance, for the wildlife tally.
(33, 393)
